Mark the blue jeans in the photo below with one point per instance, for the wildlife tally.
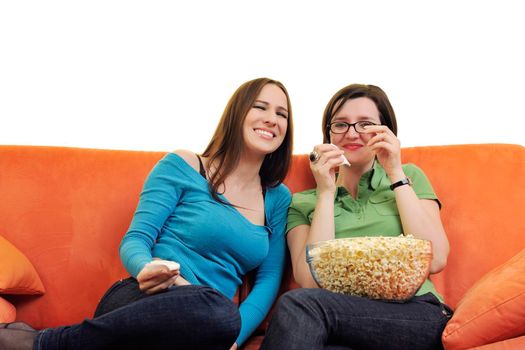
(318, 319)
(186, 317)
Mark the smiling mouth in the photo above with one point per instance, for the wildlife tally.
(264, 133)
(352, 146)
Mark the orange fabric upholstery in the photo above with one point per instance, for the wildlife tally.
(509, 344)
(66, 209)
(17, 274)
(7, 311)
(493, 309)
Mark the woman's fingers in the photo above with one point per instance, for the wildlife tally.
(325, 159)
(151, 288)
(382, 136)
(383, 144)
(327, 153)
(371, 129)
(156, 277)
(386, 147)
(384, 139)
(162, 286)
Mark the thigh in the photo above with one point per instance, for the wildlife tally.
(415, 324)
(362, 323)
(184, 317)
(121, 293)
(336, 347)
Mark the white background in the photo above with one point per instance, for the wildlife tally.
(156, 75)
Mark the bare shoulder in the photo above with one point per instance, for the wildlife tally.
(189, 157)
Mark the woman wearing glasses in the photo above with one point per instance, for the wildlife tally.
(376, 194)
(201, 224)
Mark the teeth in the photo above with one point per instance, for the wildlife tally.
(263, 132)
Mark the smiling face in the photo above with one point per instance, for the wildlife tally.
(266, 123)
(352, 142)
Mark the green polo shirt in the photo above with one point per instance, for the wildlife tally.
(373, 213)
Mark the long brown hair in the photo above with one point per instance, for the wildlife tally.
(227, 143)
(375, 93)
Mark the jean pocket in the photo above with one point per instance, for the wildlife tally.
(446, 310)
(432, 299)
(102, 305)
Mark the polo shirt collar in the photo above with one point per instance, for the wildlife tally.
(372, 178)
(378, 173)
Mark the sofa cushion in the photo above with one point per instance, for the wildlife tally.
(492, 310)
(7, 311)
(17, 274)
(509, 344)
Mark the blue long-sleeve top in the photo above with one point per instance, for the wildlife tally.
(177, 219)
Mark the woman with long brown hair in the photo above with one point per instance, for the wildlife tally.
(202, 223)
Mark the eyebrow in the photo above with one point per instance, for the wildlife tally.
(266, 103)
(361, 118)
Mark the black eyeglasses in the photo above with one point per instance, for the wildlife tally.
(343, 127)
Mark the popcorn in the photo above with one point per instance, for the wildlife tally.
(387, 268)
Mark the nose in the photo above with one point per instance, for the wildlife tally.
(352, 132)
(270, 118)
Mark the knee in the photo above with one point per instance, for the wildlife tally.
(223, 315)
(298, 304)
(297, 299)
(297, 314)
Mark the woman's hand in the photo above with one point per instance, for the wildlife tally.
(181, 281)
(324, 168)
(387, 149)
(155, 278)
(419, 217)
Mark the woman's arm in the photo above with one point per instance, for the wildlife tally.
(159, 196)
(322, 227)
(269, 274)
(419, 217)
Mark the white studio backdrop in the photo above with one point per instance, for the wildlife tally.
(156, 75)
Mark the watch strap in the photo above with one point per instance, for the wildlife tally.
(405, 181)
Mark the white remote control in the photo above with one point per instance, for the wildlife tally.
(172, 265)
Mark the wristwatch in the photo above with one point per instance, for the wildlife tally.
(405, 181)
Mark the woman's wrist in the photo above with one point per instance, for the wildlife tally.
(325, 193)
(396, 176)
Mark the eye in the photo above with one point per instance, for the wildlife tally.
(285, 116)
(260, 107)
(365, 123)
(340, 125)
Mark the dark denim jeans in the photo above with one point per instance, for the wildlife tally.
(318, 319)
(186, 317)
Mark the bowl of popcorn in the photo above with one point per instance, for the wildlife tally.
(385, 268)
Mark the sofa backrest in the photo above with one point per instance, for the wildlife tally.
(67, 209)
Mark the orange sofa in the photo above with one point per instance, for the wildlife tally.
(66, 210)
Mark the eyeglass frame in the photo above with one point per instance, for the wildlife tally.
(329, 126)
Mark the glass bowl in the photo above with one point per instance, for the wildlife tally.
(386, 268)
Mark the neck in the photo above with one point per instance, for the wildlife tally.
(246, 173)
(349, 176)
